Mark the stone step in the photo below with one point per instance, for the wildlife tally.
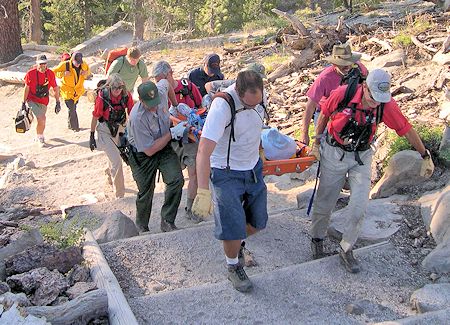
(315, 292)
(190, 257)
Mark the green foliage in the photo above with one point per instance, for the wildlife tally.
(402, 40)
(265, 22)
(63, 234)
(431, 138)
(274, 60)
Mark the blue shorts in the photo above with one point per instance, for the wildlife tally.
(239, 197)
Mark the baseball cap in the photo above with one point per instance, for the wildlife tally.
(213, 62)
(148, 93)
(379, 83)
(77, 57)
(258, 68)
(41, 59)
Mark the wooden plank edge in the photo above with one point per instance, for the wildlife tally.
(119, 311)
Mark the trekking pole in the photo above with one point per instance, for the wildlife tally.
(311, 200)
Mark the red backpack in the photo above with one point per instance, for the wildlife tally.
(113, 55)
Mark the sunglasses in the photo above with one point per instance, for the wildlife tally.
(42, 63)
(117, 88)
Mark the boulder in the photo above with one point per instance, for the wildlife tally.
(44, 255)
(4, 287)
(23, 242)
(80, 288)
(403, 170)
(44, 285)
(441, 58)
(13, 316)
(444, 148)
(117, 226)
(395, 58)
(435, 207)
(433, 317)
(431, 297)
(79, 273)
(438, 261)
(382, 220)
(8, 299)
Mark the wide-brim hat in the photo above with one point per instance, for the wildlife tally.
(277, 145)
(342, 55)
(41, 59)
(148, 94)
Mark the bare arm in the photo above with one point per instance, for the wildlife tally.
(56, 93)
(414, 139)
(205, 149)
(26, 91)
(172, 97)
(158, 144)
(321, 125)
(93, 123)
(307, 116)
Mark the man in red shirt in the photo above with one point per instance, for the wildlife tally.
(38, 80)
(347, 150)
(342, 60)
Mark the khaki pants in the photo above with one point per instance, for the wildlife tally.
(107, 143)
(332, 177)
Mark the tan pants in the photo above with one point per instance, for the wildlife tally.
(106, 143)
(332, 177)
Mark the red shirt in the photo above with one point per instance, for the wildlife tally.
(32, 79)
(328, 80)
(100, 112)
(187, 99)
(392, 116)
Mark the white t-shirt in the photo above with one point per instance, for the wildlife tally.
(244, 153)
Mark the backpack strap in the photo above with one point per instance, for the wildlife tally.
(230, 101)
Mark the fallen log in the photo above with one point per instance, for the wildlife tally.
(228, 50)
(296, 63)
(419, 44)
(119, 312)
(295, 22)
(81, 310)
(384, 44)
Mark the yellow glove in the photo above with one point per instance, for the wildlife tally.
(202, 206)
(427, 168)
(315, 151)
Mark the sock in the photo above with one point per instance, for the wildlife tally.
(40, 136)
(189, 203)
(232, 261)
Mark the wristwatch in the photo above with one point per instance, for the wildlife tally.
(426, 154)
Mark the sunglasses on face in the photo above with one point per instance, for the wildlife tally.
(42, 63)
(117, 88)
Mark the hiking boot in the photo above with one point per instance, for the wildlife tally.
(142, 229)
(349, 261)
(41, 142)
(192, 216)
(246, 257)
(167, 226)
(239, 278)
(317, 248)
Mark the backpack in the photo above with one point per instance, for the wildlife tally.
(23, 120)
(116, 117)
(65, 57)
(186, 90)
(230, 101)
(114, 55)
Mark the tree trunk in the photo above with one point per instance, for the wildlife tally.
(191, 22)
(35, 22)
(139, 19)
(10, 46)
(87, 14)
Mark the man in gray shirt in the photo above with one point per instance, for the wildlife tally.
(149, 134)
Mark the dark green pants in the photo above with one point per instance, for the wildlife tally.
(144, 170)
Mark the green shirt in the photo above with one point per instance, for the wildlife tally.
(128, 72)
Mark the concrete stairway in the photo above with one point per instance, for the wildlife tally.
(180, 278)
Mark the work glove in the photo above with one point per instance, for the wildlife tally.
(177, 131)
(427, 168)
(315, 151)
(24, 106)
(202, 205)
(92, 143)
(57, 107)
(173, 111)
